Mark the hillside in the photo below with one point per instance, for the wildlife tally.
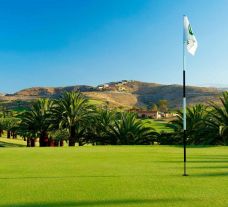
(122, 94)
(50, 91)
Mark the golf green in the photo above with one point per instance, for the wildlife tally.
(121, 176)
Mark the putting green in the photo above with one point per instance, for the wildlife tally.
(120, 176)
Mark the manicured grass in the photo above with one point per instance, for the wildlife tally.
(158, 125)
(96, 102)
(11, 143)
(4, 142)
(120, 176)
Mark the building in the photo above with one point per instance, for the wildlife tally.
(142, 113)
(146, 114)
(103, 87)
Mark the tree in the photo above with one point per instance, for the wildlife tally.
(58, 137)
(4, 112)
(37, 120)
(101, 127)
(72, 111)
(130, 130)
(154, 107)
(163, 105)
(197, 130)
(1, 127)
(219, 119)
(29, 136)
(10, 125)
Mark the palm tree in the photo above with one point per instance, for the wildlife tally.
(196, 124)
(130, 130)
(29, 136)
(1, 126)
(100, 126)
(59, 136)
(219, 119)
(10, 125)
(72, 111)
(37, 120)
(4, 112)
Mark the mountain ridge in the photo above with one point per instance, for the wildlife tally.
(124, 93)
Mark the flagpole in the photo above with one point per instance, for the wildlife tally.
(184, 103)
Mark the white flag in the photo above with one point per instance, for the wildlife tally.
(189, 37)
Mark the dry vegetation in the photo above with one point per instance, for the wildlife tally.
(127, 95)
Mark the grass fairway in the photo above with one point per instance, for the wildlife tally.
(158, 125)
(4, 142)
(121, 176)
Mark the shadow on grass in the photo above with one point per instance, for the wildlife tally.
(210, 167)
(213, 174)
(59, 177)
(6, 144)
(193, 161)
(207, 161)
(104, 203)
(194, 146)
(203, 159)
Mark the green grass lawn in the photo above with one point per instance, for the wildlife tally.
(96, 102)
(120, 176)
(12, 143)
(4, 142)
(158, 125)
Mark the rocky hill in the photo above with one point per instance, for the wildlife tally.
(124, 93)
(48, 91)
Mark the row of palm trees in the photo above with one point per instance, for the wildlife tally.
(73, 118)
(81, 122)
(10, 125)
(207, 125)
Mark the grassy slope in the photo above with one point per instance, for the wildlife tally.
(113, 176)
(136, 93)
(158, 125)
(12, 143)
(114, 99)
(4, 142)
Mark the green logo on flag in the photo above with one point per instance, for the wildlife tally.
(190, 30)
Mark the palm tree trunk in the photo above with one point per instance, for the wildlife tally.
(32, 142)
(72, 138)
(14, 134)
(28, 142)
(8, 134)
(71, 142)
(56, 143)
(80, 143)
(43, 139)
(51, 142)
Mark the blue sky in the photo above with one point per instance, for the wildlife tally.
(70, 42)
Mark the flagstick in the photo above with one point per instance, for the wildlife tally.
(184, 108)
(184, 122)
